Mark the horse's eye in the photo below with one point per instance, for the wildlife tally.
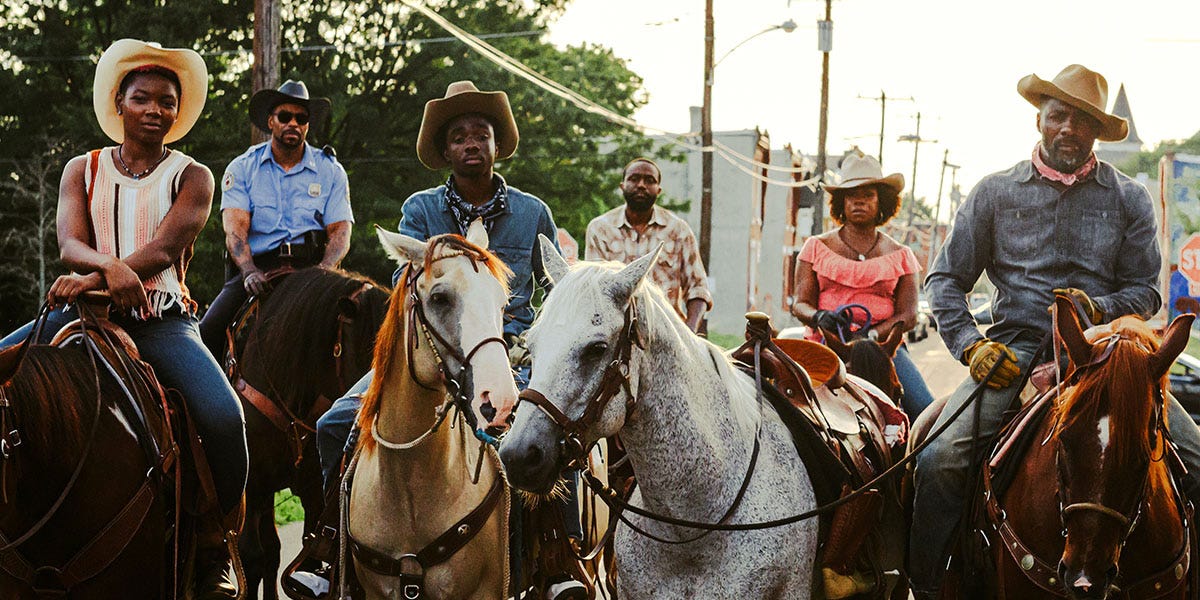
(440, 299)
(595, 350)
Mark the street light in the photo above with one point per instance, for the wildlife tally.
(706, 157)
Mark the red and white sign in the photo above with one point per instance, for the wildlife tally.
(1189, 263)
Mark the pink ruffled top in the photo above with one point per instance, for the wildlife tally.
(871, 282)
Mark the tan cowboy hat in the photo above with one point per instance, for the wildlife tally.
(126, 55)
(859, 169)
(462, 97)
(1082, 88)
(291, 92)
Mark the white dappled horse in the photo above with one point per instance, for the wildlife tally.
(413, 491)
(689, 430)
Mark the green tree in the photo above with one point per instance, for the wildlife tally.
(377, 61)
(1147, 162)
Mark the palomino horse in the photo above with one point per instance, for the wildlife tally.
(1104, 443)
(428, 510)
(83, 497)
(690, 425)
(311, 339)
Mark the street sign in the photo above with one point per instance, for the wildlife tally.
(1189, 260)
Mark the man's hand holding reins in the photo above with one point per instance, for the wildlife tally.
(983, 354)
(1084, 302)
(255, 282)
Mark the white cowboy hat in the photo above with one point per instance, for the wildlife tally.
(1082, 88)
(126, 55)
(462, 97)
(859, 169)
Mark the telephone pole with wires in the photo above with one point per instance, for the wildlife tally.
(916, 139)
(882, 99)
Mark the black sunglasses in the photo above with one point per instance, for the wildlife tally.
(285, 116)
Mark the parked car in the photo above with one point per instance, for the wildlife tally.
(924, 322)
(1185, 384)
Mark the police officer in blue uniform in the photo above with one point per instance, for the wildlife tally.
(283, 203)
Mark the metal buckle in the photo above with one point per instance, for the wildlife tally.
(285, 250)
(47, 581)
(412, 592)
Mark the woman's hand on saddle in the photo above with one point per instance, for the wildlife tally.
(831, 321)
(125, 287)
(67, 288)
(983, 354)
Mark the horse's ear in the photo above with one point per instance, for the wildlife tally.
(347, 307)
(625, 281)
(893, 340)
(477, 234)
(1174, 341)
(400, 247)
(835, 343)
(1078, 348)
(555, 265)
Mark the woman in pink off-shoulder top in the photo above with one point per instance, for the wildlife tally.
(859, 264)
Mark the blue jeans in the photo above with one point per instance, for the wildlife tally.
(917, 396)
(942, 469)
(172, 346)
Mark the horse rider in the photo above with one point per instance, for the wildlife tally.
(283, 203)
(1061, 220)
(468, 130)
(859, 264)
(146, 96)
(629, 232)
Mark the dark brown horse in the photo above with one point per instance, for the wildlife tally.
(84, 504)
(871, 359)
(1092, 507)
(311, 340)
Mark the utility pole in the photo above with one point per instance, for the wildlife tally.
(916, 139)
(824, 45)
(882, 100)
(933, 233)
(267, 33)
(706, 156)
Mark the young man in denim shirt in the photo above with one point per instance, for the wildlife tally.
(467, 131)
(1059, 221)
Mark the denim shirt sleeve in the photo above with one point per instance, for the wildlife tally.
(547, 228)
(1138, 261)
(958, 266)
(414, 222)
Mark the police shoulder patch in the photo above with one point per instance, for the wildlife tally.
(227, 181)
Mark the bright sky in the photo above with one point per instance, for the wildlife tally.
(959, 59)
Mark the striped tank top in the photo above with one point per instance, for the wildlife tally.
(125, 214)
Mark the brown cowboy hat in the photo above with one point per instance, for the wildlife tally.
(126, 55)
(462, 97)
(1082, 88)
(859, 169)
(291, 92)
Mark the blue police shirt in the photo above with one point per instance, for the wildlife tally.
(512, 238)
(284, 205)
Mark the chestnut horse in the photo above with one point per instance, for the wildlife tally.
(871, 359)
(312, 338)
(1092, 508)
(428, 509)
(83, 500)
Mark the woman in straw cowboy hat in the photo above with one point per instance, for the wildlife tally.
(127, 218)
(858, 264)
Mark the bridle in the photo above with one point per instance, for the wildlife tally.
(614, 381)
(454, 384)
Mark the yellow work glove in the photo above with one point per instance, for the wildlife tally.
(1090, 310)
(984, 353)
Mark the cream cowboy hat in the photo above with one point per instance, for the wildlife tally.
(462, 97)
(859, 169)
(126, 55)
(1082, 88)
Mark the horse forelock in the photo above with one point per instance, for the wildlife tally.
(448, 245)
(1121, 388)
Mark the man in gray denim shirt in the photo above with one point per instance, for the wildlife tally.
(1061, 220)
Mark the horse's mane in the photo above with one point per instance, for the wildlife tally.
(297, 327)
(1122, 388)
(52, 393)
(391, 334)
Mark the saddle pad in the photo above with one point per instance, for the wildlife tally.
(822, 364)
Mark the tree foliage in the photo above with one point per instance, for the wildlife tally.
(1147, 162)
(378, 61)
